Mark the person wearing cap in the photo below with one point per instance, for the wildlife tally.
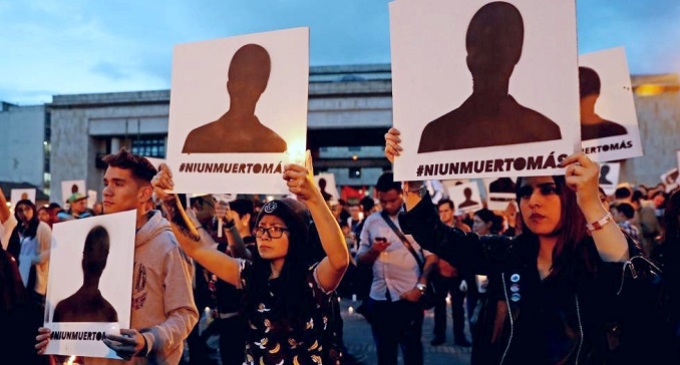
(288, 303)
(78, 208)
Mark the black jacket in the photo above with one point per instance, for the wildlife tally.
(605, 315)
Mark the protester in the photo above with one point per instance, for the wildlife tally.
(447, 281)
(77, 208)
(30, 245)
(287, 303)
(400, 277)
(558, 292)
(486, 222)
(163, 311)
(623, 214)
(667, 252)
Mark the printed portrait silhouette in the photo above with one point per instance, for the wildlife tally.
(74, 188)
(468, 201)
(239, 129)
(490, 116)
(592, 125)
(502, 185)
(24, 196)
(604, 171)
(88, 304)
(322, 188)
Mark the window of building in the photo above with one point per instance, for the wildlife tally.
(149, 147)
(355, 173)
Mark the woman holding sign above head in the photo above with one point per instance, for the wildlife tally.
(288, 302)
(571, 289)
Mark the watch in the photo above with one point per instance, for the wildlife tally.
(422, 288)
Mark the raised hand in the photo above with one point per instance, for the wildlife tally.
(300, 180)
(392, 144)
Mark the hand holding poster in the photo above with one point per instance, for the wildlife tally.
(519, 115)
(87, 299)
(238, 112)
(609, 125)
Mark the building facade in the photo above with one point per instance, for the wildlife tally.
(350, 109)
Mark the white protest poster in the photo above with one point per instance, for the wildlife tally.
(156, 162)
(500, 192)
(671, 179)
(326, 184)
(70, 187)
(238, 112)
(609, 125)
(609, 177)
(466, 197)
(88, 293)
(91, 198)
(518, 117)
(22, 194)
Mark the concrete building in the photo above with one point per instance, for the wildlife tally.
(350, 109)
(25, 147)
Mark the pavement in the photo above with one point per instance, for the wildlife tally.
(359, 340)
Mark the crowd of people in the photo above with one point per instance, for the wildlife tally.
(565, 274)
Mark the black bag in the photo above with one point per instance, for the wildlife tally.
(429, 299)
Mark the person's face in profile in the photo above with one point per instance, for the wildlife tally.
(122, 192)
(248, 74)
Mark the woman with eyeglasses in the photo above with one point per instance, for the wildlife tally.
(288, 302)
(560, 292)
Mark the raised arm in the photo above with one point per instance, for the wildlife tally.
(193, 238)
(332, 268)
(230, 224)
(582, 175)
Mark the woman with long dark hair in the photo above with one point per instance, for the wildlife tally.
(30, 246)
(485, 222)
(288, 302)
(557, 293)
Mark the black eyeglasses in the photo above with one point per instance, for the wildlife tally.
(273, 232)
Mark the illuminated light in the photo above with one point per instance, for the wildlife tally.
(448, 299)
(296, 152)
(9, 204)
(71, 360)
(350, 310)
(270, 198)
(355, 157)
(649, 89)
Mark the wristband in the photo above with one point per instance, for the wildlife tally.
(600, 223)
(229, 224)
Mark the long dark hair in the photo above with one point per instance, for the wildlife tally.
(570, 254)
(488, 216)
(31, 229)
(289, 310)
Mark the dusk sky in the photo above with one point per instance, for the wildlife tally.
(51, 47)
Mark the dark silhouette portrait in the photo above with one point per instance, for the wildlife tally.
(24, 196)
(604, 171)
(490, 116)
(467, 202)
(88, 304)
(239, 129)
(592, 125)
(503, 185)
(322, 188)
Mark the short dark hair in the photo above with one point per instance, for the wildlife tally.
(140, 167)
(625, 208)
(367, 203)
(623, 192)
(386, 183)
(445, 201)
(242, 206)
